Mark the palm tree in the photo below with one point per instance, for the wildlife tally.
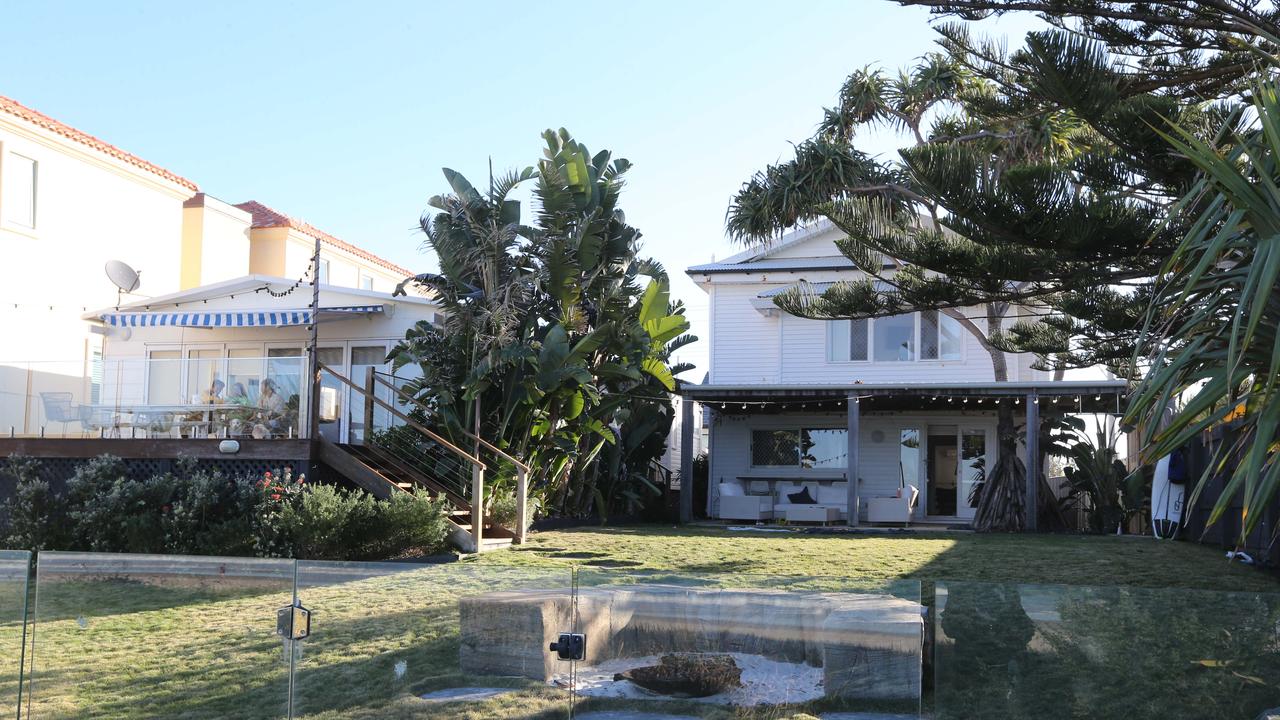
(558, 335)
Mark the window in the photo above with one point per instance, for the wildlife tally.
(19, 186)
(366, 282)
(894, 338)
(909, 457)
(940, 336)
(810, 448)
(324, 272)
(164, 377)
(898, 338)
(847, 340)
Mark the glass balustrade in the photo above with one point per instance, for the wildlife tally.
(151, 636)
(166, 395)
(1045, 652)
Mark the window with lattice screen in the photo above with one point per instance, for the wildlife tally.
(775, 448)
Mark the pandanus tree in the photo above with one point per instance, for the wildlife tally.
(1211, 334)
(558, 334)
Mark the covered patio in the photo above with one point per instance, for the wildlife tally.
(752, 421)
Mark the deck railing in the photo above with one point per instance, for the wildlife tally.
(190, 397)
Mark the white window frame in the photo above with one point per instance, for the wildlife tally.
(871, 354)
(363, 278)
(323, 274)
(6, 220)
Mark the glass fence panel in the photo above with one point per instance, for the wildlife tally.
(167, 395)
(156, 636)
(14, 570)
(1046, 652)
(748, 646)
(431, 641)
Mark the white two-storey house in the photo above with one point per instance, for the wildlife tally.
(905, 404)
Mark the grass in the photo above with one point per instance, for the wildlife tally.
(123, 645)
(925, 557)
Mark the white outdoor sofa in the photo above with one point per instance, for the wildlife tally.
(735, 504)
(762, 500)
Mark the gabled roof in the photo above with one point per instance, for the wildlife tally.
(252, 284)
(265, 217)
(17, 109)
(761, 258)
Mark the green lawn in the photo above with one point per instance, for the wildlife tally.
(120, 645)
(924, 556)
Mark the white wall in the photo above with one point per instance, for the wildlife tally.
(90, 209)
(218, 233)
(345, 268)
(750, 347)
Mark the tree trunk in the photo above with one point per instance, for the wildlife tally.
(1002, 502)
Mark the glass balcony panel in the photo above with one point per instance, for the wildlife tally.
(159, 636)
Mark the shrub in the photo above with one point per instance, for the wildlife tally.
(411, 522)
(209, 513)
(111, 512)
(34, 517)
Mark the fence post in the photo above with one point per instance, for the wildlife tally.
(477, 506)
(522, 503)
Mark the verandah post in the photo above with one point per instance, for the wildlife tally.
(477, 507)
(522, 504)
(853, 422)
(686, 459)
(368, 403)
(1033, 452)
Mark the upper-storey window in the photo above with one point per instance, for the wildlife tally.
(927, 335)
(366, 282)
(18, 184)
(324, 272)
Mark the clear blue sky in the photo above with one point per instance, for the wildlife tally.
(343, 114)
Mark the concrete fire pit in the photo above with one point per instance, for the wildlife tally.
(868, 646)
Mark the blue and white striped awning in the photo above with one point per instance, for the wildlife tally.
(234, 318)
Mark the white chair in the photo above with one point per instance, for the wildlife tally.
(735, 504)
(896, 509)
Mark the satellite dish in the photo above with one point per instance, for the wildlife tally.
(124, 277)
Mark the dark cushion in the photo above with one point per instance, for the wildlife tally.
(801, 498)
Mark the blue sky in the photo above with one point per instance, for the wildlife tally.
(343, 114)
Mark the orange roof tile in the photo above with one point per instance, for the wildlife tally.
(17, 109)
(265, 217)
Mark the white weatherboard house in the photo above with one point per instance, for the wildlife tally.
(906, 404)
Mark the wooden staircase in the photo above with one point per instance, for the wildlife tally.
(382, 472)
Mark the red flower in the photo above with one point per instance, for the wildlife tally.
(275, 496)
(266, 474)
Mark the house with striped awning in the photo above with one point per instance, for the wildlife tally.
(242, 342)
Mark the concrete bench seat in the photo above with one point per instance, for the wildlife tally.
(869, 646)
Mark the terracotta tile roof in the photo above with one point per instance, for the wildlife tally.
(265, 217)
(17, 109)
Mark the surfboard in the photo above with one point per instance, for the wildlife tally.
(1166, 501)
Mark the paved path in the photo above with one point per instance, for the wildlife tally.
(466, 694)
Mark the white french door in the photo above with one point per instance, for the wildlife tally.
(971, 468)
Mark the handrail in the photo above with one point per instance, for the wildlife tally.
(476, 462)
(470, 435)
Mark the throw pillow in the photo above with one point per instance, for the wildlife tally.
(801, 498)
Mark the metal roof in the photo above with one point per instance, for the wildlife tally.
(1041, 387)
(802, 263)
